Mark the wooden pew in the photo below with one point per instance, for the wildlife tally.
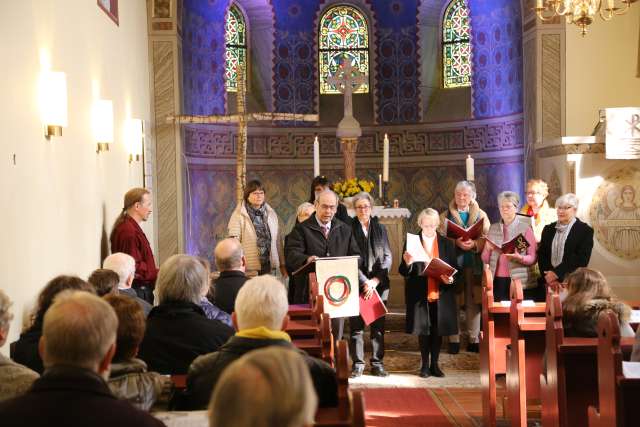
(350, 409)
(305, 310)
(570, 384)
(322, 346)
(524, 357)
(494, 339)
(617, 395)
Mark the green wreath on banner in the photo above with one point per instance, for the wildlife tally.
(341, 297)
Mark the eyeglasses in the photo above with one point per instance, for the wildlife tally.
(363, 208)
(532, 193)
(564, 208)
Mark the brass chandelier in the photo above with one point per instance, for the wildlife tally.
(581, 12)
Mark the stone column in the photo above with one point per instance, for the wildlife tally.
(349, 148)
(165, 44)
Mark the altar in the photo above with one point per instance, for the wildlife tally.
(394, 220)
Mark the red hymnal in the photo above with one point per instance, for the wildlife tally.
(517, 244)
(372, 309)
(454, 231)
(437, 268)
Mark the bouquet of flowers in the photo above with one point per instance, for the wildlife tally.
(353, 186)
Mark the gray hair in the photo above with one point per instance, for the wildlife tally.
(182, 278)
(262, 301)
(123, 264)
(363, 195)
(428, 212)
(78, 330)
(303, 207)
(467, 185)
(5, 315)
(327, 191)
(228, 254)
(274, 382)
(568, 199)
(509, 196)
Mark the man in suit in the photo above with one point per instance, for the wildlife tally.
(565, 244)
(231, 264)
(77, 345)
(125, 267)
(322, 235)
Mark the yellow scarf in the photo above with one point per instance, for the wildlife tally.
(262, 332)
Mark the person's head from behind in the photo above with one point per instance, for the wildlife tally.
(5, 317)
(273, 382)
(131, 326)
(229, 255)
(182, 278)
(104, 281)
(587, 284)
(262, 301)
(79, 330)
(304, 211)
(54, 287)
(326, 206)
(125, 267)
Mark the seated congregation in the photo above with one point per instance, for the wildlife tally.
(121, 352)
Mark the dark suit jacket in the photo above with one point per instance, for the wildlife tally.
(68, 396)
(378, 241)
(206, 370)
(577, 249)
(25, 350)
(146, 307)
(307, 239)
(415, 290)
(225, 289)
(178, 332)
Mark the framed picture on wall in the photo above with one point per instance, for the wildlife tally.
(110, 7)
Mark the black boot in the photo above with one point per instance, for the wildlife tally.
(435, 342)
(423, 342)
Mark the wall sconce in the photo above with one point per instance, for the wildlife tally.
(134, 135)
(103, 124)
(53, 102)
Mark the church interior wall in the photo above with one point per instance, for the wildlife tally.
(592, 82)
(60, 198)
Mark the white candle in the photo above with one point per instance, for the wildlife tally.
(470, 168)
(380, 186)
(316, 157)
(385, 159)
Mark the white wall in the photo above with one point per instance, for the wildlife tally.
(601, 70)
(60, 198)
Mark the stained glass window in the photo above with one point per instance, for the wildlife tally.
(344, 36)
(456, 48)
(235, 54)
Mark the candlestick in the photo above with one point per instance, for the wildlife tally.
(380, 186)
(385, 159)
(316, 157)
(470, 168)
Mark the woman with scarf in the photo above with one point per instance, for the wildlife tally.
(257, 226)
(565, 245)
(537, 206)
(373, 243)
(430, 301)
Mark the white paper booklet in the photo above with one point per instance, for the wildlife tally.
(631, 369)
(415, 249)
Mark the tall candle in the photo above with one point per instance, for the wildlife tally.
(385, 159)
(470, 168)
(380, 186)
(316, 157)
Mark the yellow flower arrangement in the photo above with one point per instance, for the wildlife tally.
(353, 186)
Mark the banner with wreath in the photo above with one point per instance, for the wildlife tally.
(338, 284)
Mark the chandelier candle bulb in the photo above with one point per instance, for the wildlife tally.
(385, 159)
(316, 157)
(470, 168)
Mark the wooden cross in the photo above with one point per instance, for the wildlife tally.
(242, 118)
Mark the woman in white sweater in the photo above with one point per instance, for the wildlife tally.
(257, 226)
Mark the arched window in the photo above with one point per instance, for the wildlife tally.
(235, 38)
(343, 35)
(456, 49)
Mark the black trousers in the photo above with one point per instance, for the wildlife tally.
(356, 343)
(430, 344)
(144, 292)
(501, 289)
(337, 329)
